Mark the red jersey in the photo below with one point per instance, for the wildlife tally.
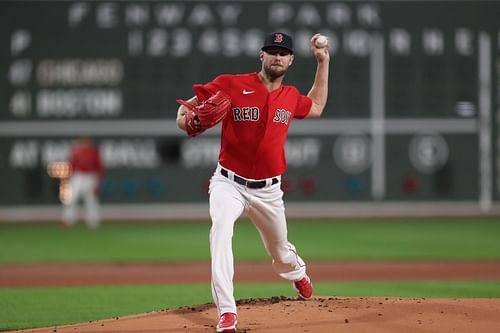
(86, 159)
(254, 133)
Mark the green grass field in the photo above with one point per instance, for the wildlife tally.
(373, 239)
(315, 239)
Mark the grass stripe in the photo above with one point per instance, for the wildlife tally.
(363, 239)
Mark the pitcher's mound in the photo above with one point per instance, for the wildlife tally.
(321, 314)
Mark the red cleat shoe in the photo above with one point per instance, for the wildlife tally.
(304, 288)
(227, 323)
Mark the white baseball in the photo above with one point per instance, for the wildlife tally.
(321, 41)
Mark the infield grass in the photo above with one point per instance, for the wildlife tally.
(376, 239)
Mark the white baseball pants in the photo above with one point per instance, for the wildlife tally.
(83, 186)
(265, 208)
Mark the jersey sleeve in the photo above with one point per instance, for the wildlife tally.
(204, 91)
(303, 107)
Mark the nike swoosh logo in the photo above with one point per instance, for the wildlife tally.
(246, 92)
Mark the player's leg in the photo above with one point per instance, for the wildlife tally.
(267, 212)
(69, 213)
(92, 215)
(226, 205)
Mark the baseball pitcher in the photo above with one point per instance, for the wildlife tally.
(256, 110)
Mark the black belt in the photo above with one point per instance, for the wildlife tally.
(249, 183)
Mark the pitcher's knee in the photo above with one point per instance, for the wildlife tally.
(221, 232)
(285, 258)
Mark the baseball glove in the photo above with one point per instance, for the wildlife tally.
(206, 115)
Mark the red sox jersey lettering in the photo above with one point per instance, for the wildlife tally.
(247, 113)
(254, 136)
(282, 116)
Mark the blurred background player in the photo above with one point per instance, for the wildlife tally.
(85, 182)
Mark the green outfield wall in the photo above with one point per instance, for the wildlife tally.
(413, 111)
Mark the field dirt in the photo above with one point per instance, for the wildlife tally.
(280, 314)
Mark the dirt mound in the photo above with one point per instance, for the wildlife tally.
(322, 314)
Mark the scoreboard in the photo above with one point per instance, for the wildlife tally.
(412, 116)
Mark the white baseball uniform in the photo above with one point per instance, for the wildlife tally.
(252, 160)
(87, 172)
(228, 201)
(248, 176)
